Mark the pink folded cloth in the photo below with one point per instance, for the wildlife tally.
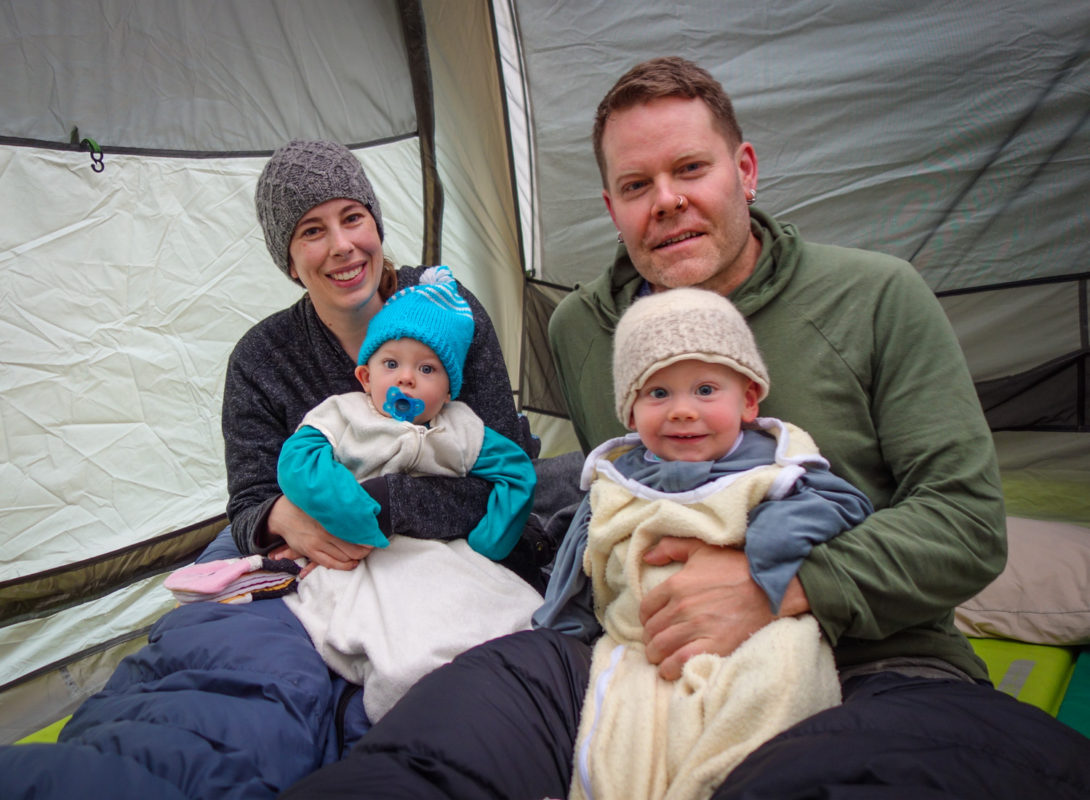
(234, 580)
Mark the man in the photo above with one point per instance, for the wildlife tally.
(859, 354)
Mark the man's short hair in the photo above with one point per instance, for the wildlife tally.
(670, 76)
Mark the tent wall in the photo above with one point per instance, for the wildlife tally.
(213, 77)
(947, 133)
(126, 288)
(480, 232)
(955, 135)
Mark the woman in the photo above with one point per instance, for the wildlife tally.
(323, 228)
(234, 701)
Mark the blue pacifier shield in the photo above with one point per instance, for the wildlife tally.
(400, 406)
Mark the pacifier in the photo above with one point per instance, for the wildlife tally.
(400, 406)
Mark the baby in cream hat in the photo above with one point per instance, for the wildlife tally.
(687, 378)
(687, 374)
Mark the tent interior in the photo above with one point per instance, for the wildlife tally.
(954, 135)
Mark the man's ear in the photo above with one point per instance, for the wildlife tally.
(746, 158)
(750, 408)
(363, 375)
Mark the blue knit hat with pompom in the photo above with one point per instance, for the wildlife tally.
(431, 312)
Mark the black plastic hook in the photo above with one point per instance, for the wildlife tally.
(97, 159)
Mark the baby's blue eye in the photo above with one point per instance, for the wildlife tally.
(389, 363)
(658, 394)
(427, 369)
(705, 390)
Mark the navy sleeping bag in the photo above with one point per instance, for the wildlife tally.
(225, 701)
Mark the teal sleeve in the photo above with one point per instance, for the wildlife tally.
(327, 490)
(509, 469)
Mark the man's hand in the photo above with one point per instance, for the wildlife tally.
(711, 605)
(306, 538)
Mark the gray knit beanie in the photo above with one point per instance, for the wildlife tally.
(301, 175)
(677, 325)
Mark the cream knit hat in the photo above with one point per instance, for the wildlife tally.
(677, 325)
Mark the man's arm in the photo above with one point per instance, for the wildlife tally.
(938, 536)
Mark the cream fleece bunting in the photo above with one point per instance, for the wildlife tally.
(641, 736)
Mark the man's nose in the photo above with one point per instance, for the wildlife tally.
(667, 201)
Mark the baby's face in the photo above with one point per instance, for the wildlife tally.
(413, 368)
(693, 410)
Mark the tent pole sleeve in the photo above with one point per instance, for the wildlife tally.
(416, 47)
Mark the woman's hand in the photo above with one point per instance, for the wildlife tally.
(711, 605)
(305, 538)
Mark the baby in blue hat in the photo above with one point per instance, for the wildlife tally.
(407, 419)
(411, 361)
(412, 604)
